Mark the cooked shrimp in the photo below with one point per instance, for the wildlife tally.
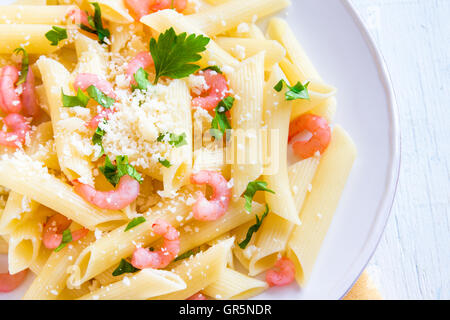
(53, 229)
(144, 258)
(103, 115)
(197, 296)
(78, 16)
(319, 131)
(141, 8)
(142, 60)
(29, 101)
(125, 193)
(9, 282)
(9, 98)
(217, 90)
(85, 80)
(19, 127)
(210, 210)
(284, 276)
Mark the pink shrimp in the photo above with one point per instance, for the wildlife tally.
(144, 258)
(213, 209)
(178, 5)
(9, 282)
(53, 229)
(103, 115)
(29, 101)
(142, 60)
(284, 276)
(19, 127)
(197, 296)
(140, 8)
(319, 129)
(9, 99)
(217, 90)
(125, 193)
(85, 80)
(78, 16)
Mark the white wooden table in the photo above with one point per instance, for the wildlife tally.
(413, 258)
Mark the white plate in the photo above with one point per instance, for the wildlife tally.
(341, 49)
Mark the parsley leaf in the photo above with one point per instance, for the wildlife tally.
(186, 255)
(213, 68)
(56, 35)
(298, 91)
(100, 97)
(96, 24)
(254, 228)
(113, 173)
(166, 163)
(124, 267)
(135, 222)
(66, 238)
(174, 139)
(252, 188)
(220, 123)
(97, 138)
(174, 53)
(80, 100)
(25, 65)
(141, 78)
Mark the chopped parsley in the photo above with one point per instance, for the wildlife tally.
(220, 123)
(166, 163)
(254, 228)
(135, 222)
(97, 138)
(173, 54)
(25, 65)
(186, 255)
(56, 35)
(113, 172)
(80, 100)
(141, 78)
(100, 97)
(213, 68)
(96, 24)
(124, 267)
(252, 188)
(298, 91)
(173, 139)
(66, 238)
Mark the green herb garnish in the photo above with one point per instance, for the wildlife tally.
(25, 65)
(135, 222)
(254, 228)
(220, 123)
(298, 91)
(56, 35)
(80, 100)
(113, 172)
(124, 267)
(174, 140)
(96, 24)
(173, 54)
(166, 163)
(141, 78)
(186, 255)
(97, 138)
(252, 188)
(100, 97)
(213, 68)
(66, 238)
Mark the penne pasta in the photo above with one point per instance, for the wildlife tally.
(115, 11)
(220, 18)
(242, 48)
(321, 203)
(233, 285)
(34, 14)
(145, 284)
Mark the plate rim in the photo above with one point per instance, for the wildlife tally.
(387, 202)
